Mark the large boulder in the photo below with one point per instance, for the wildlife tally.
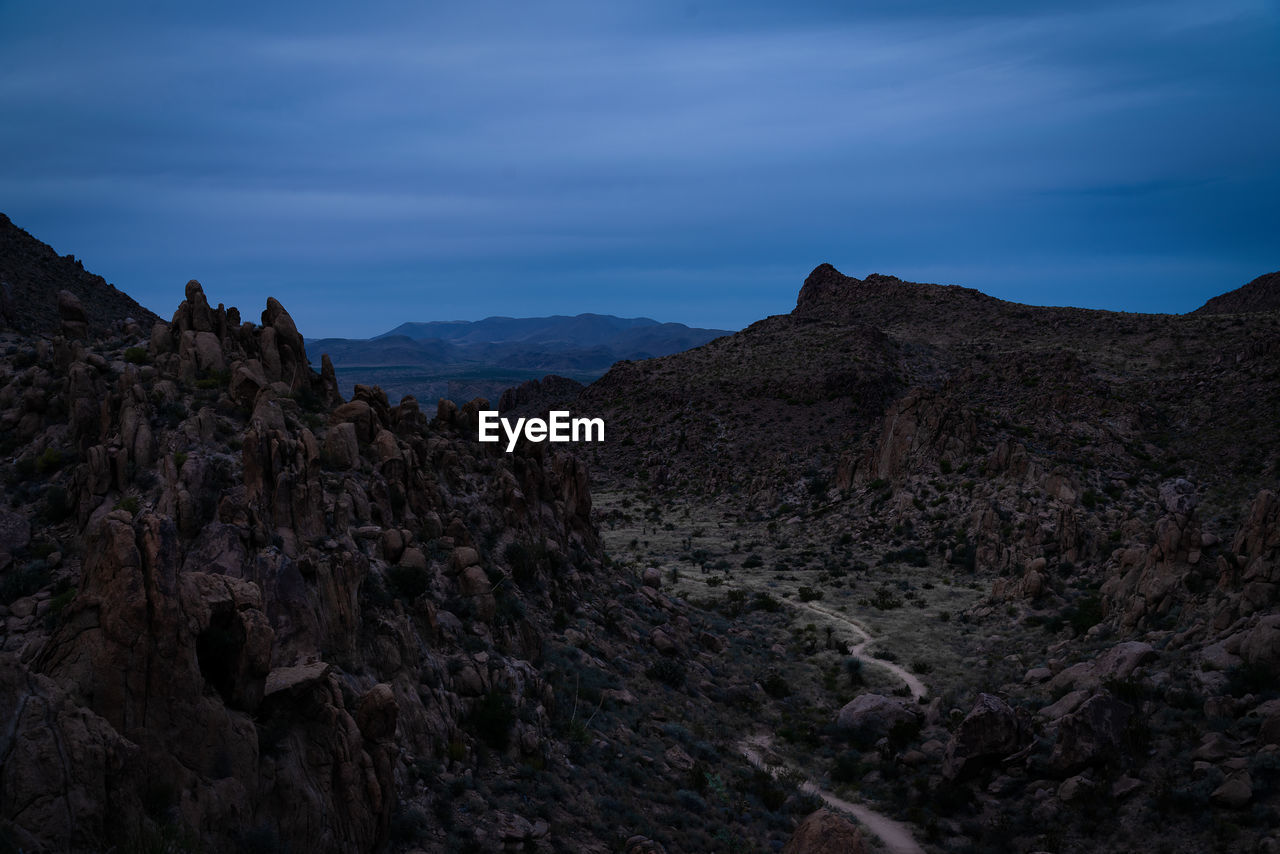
(1261, 646)
(1119, 663)
(824, 832)
(871, 716)
(1097, 733)
(75, 323)
(990, 732)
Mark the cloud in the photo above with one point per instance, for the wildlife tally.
(576, 148)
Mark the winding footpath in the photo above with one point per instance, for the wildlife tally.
(895, 835)
(913, 683)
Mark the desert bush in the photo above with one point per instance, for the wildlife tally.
(666, 670)
(765, 601)
(408, 582)
(885, 599)
(24, 582)
(1084, 613)
(776, 686)
(492, 719)
(911, 555)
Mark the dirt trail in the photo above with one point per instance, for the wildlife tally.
(912, 682)
(896, 837)
(858, 651)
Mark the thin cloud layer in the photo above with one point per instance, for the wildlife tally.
(683, 161)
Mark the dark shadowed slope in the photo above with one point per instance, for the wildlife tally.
(31, 274)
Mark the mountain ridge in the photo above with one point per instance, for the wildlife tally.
(31, 276)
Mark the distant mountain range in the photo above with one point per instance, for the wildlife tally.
(462, 359)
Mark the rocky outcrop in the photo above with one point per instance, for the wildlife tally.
(62, 768)
(918, 430)
(1146, 584)
(259, 627)
(537, 396)
(1249, 575)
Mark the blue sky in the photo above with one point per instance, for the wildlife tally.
(379, 162)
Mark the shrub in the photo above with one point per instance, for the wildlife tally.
(526, 561)
(912, 555)
(808, 594)
(408, 582)
(1084, 613)
(135, 356)
(764, 601)
(50, 461)
(23, 582)
(848, 767)
(776, 687)
(492, 719)
(666, 670)
(885, 599)
(57, 506)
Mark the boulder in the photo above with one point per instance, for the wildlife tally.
(1179, 496)
(824, 832)
(1097, 733)
(871, 716)
(1119, 662)
(1235, 792)
(989, 732)
(341, 448)
(75, 323)
(1261, 646)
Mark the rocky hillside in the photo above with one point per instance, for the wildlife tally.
(31, 277)
(1262, 294)
(878, 378)
(1107, 479)
(239, 613)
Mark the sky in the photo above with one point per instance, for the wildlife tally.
(378, 162)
